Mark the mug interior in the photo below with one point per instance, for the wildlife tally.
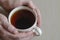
(21, 8)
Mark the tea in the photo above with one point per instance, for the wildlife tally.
(23, 19)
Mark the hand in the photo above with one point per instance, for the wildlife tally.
(7, 31)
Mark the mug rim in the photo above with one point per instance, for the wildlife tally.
(19, 8)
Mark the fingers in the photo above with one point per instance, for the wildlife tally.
(3, 32)
(38, 17)
(4, 4)
(15, 3)
(25, 34)
(6, 25)
(29, 35)
(31, 5)
(5, 35)
(28, 3)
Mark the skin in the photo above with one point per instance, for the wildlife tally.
(8, 31)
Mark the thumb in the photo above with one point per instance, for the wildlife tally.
(4, 22)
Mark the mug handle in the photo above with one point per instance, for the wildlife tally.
(37, 31)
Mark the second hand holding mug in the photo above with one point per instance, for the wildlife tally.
(24, 19)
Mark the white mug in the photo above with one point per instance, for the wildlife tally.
(34, 27)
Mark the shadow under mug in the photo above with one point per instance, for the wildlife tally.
(31, 17)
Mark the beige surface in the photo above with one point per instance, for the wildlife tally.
(50, 11)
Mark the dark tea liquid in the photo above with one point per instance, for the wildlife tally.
(23, 19)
